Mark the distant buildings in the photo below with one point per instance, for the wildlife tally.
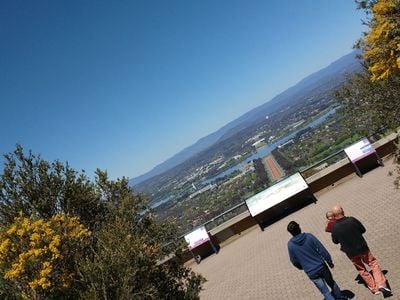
(202, 190)
(297, 124)
(259, 143)
(287, 143)
(217, 161)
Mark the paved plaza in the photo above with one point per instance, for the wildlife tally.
(256, 265)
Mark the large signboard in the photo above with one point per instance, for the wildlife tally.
(359, 150)
(197, 237)
(276, 194)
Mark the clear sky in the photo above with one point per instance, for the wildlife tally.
(124, 85)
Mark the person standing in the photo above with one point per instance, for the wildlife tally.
(348, 232)
(307, 253)
(330, 221)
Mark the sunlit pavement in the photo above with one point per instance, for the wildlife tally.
(256, 265)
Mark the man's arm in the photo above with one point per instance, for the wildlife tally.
(293, 259)
(360, 226)
(322, 250)
(334, 238)
(327, 227)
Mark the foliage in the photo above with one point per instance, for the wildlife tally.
(289, 166)
(129, 269)
(64, 236)
(38, 256)
(378, 100)
(397, 161)
(42, 189)
(261, 175)
(371, 104)
(124, 262)
(381, 45)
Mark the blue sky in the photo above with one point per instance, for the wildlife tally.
(124, 85)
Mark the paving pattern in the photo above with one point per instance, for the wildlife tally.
(256, 265)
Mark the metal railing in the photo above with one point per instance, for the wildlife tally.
(338, 155)
(226, 215)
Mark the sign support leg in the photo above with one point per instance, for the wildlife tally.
(380, 162)
(357, 170)
(194, 256)
(213, 246)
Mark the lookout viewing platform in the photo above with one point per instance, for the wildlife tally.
(255, 264)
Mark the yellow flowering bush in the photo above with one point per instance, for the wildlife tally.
(382, 49)
(52, 255)
(36, 253)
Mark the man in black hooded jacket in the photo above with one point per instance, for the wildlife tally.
(348, 232)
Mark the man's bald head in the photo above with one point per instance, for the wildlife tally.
(338, 211)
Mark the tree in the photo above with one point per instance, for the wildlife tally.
(397, 160)
(381, 45)
(125, 259)
(38, 257)
(370, 104)
(261, 175)
(112, 249)
(372, 98)
(42, 189)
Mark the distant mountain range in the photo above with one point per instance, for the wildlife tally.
(345, 65)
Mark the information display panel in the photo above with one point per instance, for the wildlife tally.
(197, 237)
(276, 194)
(359, 150)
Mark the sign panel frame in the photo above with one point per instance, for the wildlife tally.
(276, 194)
(359, 150)
(197, 237)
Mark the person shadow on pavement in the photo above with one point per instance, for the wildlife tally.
(348, 294)
(361, 281)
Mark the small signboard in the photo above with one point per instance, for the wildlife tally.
(277, 193)
(359, 150)
(197, 237)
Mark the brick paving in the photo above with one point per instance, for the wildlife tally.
(256, 265)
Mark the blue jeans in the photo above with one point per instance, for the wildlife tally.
(324, 280)
(323, 288)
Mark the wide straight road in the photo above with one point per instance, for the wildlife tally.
(256, 265)
(273, 168)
